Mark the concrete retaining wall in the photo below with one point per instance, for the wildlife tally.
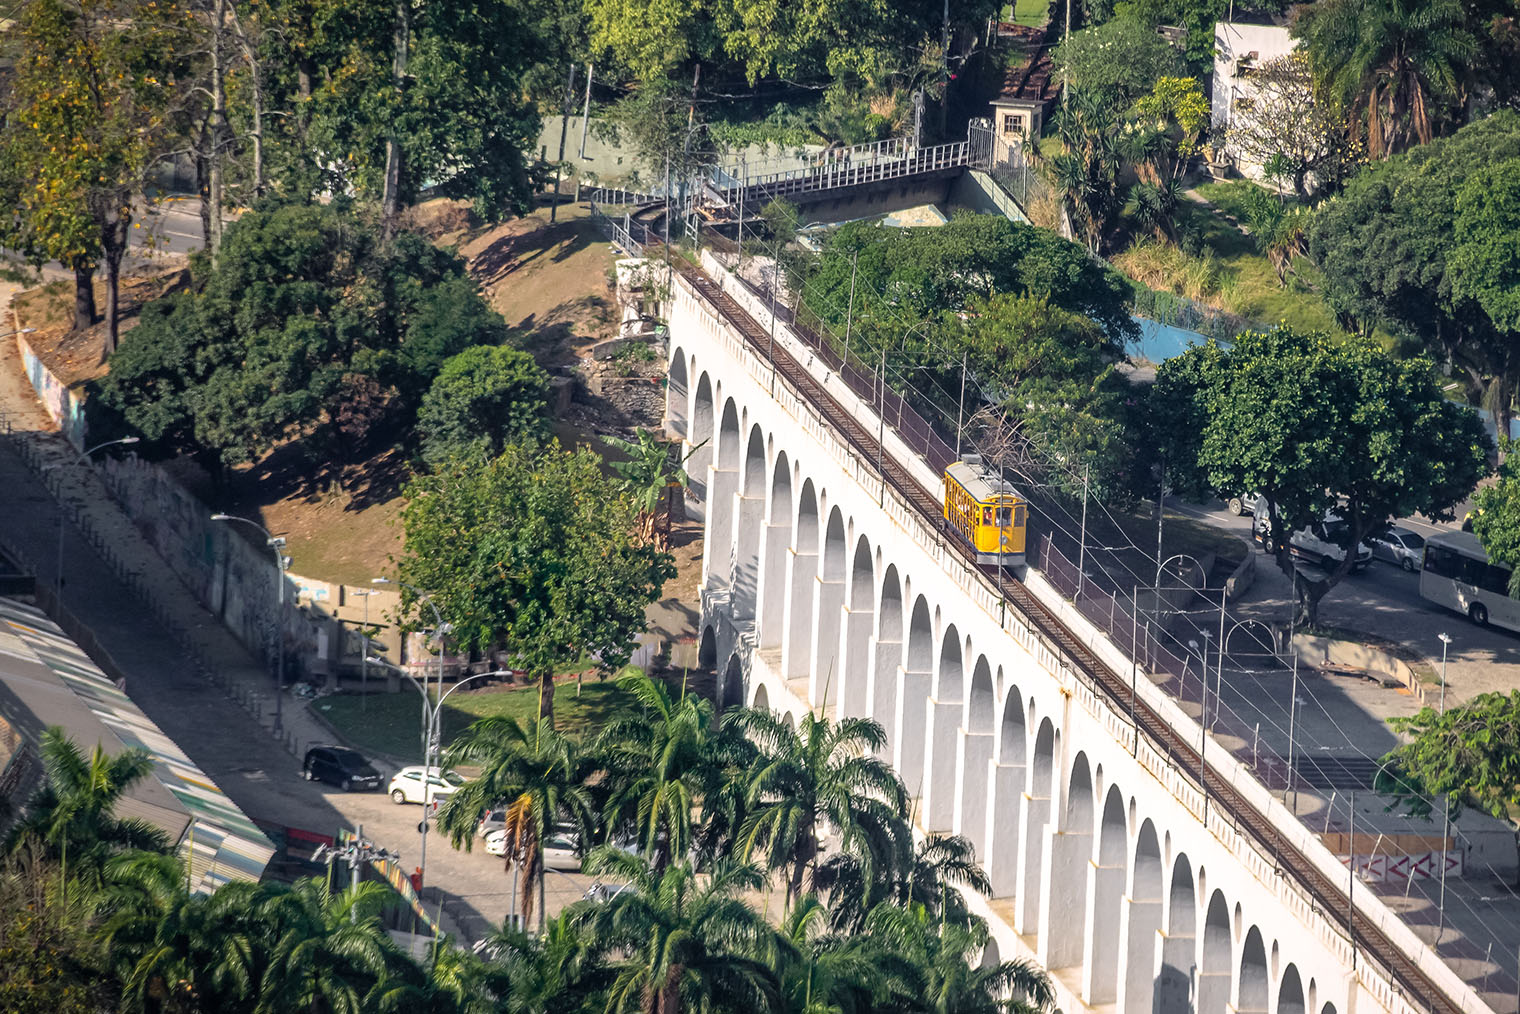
(1320, 650)
(65, 404)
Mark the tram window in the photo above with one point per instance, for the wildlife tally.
(1018, 514)
(987, 515)
(1002, 516)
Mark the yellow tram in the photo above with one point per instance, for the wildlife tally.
(986, 511)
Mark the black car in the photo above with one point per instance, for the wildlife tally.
(340, 766)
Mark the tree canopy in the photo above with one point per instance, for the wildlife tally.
(1393, 255)
(484, 398)
(533, 552)
(1123, 57)
(307, 326)
(1316, 427)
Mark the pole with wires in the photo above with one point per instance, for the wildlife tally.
(849, 315)
(960, 410)
(1082, 546)
(881, 425)
(1292, 713)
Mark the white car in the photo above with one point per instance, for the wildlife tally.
(1401, 546)
(561, 851)
(409, 786)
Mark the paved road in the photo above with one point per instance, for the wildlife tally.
(1385, 601)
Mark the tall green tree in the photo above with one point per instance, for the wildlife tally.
(653, 477)
(1387, 245)
(824, 972)
(821, 778)
(534, 551)
(942, 954)
(483, 398)
(1399, 66)
(1484, 266)
(1123, 57)
(52, 958)
(1468, 757)
(537, 775)
(1496, 520)
(683, 942)
(73, 815)
(1320, 426)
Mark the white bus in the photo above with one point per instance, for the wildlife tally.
(1458, 575)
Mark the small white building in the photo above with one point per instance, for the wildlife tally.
(1238, 51)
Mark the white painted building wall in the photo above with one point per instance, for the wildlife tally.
(1109, 866)
(1235, 44)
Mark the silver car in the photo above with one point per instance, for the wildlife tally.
(1399, 545)
(1241, 504)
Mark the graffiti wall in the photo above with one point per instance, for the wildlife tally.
(64, 404)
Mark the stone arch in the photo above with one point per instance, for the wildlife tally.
(707, 650)
(677, 395)
(1078, 818)
(762, 701)
(1173, 987)
(1139, 988)
(991, 956)
(732, 695)
(751, 517)
(942, 730)
(1042, 774)
(858, 621)
(823, 686)
(802, 572)
(1005, 789)
(888, 654)
(1290, 992)
(1108, 877)
(1328, 1008)
(1065, 891)
(913, 696)
(978, 742)
(729, 436)
(776, 539)
(1214, 971)
(1255, 985)
(701, 437)
(718, 549)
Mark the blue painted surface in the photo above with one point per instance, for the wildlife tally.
(1159, 342)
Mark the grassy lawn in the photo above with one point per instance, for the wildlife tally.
(1031, 13)
(390, 724)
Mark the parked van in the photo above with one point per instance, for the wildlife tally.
(1320, 544)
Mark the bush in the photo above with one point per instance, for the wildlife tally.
(483, 399)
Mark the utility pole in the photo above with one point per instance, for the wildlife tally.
(960, 410)
(564, 128)
(881, 425)
(586, 109)
(1292, 711)
(1082, 548)
(355, 853)
(1445, 809)
(849, 317)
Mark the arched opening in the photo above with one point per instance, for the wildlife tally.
(776, 541)
(977, 744)
(991, 956)
(913, 693)
(1255, 989)
(1004, 791)
(733, 685)
(751, 509)
(1071, 854)
(1036, 825)
(1173, 990)
(1214, 971)
(699, 444)
(676, 395)
(889, 632)
(942, 734)
(1290, 994)
(802, 568)
(1328, 1008)
(1108, 896)
(762, 701)
(707, 650)
(718, 550)
(823, 688)
(1137, 958)
(860, 617)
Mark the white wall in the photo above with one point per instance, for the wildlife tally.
(1232, 42)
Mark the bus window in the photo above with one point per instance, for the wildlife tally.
(1443, 562)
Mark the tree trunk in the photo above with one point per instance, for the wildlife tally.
(113, 236)
(219, 127)
(390, 200)
(84, 295)
(546, 696)
(670, 993)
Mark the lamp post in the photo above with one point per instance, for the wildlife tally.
(48, 468)
(276, 543)
(366, 594)
(1445, 809)
(439, 628)
(357, 852)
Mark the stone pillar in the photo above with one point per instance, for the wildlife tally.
(941, 724)
(881, 687)
(772, 586)
(823, 681)
(1001, 858)
(1034, 814)
(971, 775)
(1138, 982)
(797, 637)
(1068, 854)
(908, 723)
(854, 660)
(748, 510)
(1213, 992)
(1100, 946)
(1175, 964)
(718, 539)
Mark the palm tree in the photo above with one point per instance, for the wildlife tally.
(820, 776)
(537, 774)
(683, 942)
(1399, 63)
(651, 478)
(548, 974)
(946, 982)
(934, 873)
(1086, 172)
(658, 758)
(823, 972)
(72, 814)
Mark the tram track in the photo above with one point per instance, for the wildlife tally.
(1329, 897)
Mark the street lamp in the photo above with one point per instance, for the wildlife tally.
(60, 464)
(1445, 808)
(276, 543)
(355, 853)
(366, 594)
(439, 628)
(1445, 643)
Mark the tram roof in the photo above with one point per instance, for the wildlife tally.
(979, 483)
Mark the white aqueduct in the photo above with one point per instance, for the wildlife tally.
(824, 589)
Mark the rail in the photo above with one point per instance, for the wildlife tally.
(852, 167)
(1326, 898)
